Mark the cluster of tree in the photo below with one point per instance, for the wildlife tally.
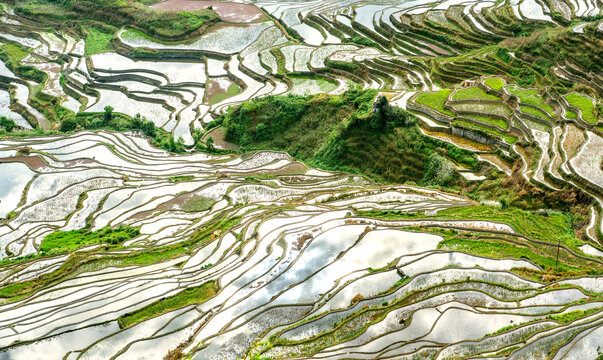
(385, 116)
(7, 124)
(119, 122)
(341, 132)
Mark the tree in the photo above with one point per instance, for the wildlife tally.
(148, 128)
(262, 132)
(69, 124)
(438, 171)
(137, 122)
(108, 116)
(209, 144)
(7, 123)
(197, 135)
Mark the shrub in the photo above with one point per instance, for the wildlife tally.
(108, 115)
(68, 125)
(7, 124)
(438, 171)
(261, 132)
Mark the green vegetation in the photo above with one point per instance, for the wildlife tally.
(7, 124)
(197, 204)
(483, 130)
(532, 111)
(362, 40)
(16, 52)
(585, 105)
(98, 40)
(120, 122)
(80, 262)
(438, 171)
(188, 296)
(494, 83)
(340, 133)
(67, 241)
(499, 249)
(180, 178)
(135, 34)
(12, 54)
(232, 90)
(570, 114)
(435, 100)
(531, 97)
(155, 22)
(549, 226)
(473, 93)
(551, 46)
(534, 56)
(489, 120)
(572, 315)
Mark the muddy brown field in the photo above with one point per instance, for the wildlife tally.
(228, 11)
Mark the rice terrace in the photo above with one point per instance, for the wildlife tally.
(285, 179)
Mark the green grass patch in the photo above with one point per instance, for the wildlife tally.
(531, 97)
(501, 250)
(473, 93)
(155, 22)
(66, 241)
(16, 52)
(180, 178)
(435, 100)
(134, 34)
(189, 296)
(571, 115)
(197, 204)
(550, 227)
(232, 90)
(98, 41)
(572, 315)
(585, 105)
(530, 110)
(79, 262)
(489, 120)
(494, 83)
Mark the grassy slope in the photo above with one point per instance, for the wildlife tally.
(435, 100)
(67, 241)
(98, 40)
(189, 296)
(335, 133)
(535, 58)
(585, 105)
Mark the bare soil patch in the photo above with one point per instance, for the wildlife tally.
(35, 163)
(219, 142)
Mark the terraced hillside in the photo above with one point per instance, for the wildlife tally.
(301, 180)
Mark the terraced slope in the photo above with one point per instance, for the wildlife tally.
(310, 261)
(414, 45)
(145, 213)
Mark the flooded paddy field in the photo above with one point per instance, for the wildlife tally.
(114, 248)
(293, 243)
